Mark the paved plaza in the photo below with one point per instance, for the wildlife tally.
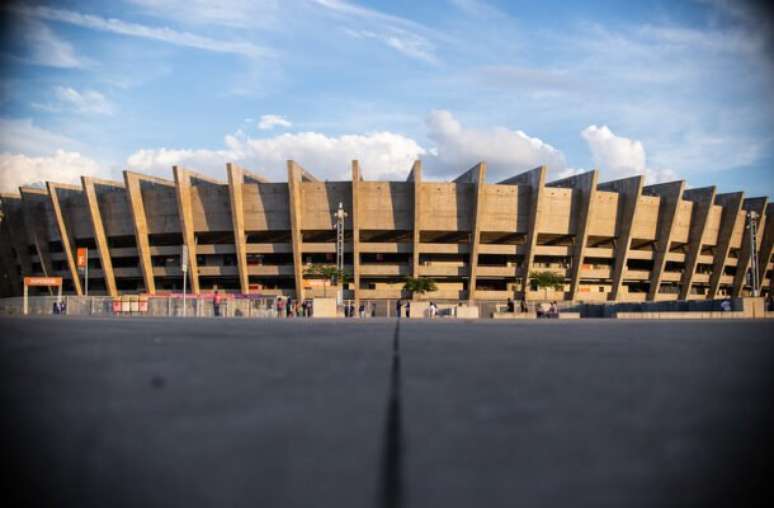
(263, 413)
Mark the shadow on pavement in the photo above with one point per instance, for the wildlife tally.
(391, 479)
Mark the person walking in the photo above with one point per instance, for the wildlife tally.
(280, 308)
(216, 302)
(362, 310)
(408, 309)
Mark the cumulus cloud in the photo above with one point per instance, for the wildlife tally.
(268, 122)
(612, 152)
(619, 156)
(505, 151)
(17, 170)
(382, 155)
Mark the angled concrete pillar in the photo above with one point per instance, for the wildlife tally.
(136, 205)
(767, 241)
(477, 175)
(671, 193)
(236, 179)
(586, 184)
(67, 240)
(356, 178)
(732, 204)
(100, 238)
(416, 177)
(535, 180)
(703, 200)
(629, 191)
(757, 205)
(183, 193)
(295, 176)
(33, 200)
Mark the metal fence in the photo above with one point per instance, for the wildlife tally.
(154, 306)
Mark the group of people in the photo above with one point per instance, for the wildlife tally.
(542, 310)
(364, 310)
(289, 308)
(404, 309)
(545, 310)
(512, 306)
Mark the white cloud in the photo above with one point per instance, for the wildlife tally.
(505, 151)
(231, 13)
(162, 34)
(407, 43)
(268, 122)
(87, 102)
(619, 157)
(44, 47)
(612, 152)
(65, 167)
(22, 136)
(408, 37)
(382, 155)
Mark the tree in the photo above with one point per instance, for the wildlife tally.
(546, 280)
(329, 274)
(419, 285)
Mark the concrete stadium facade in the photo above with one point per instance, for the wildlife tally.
(611, 241)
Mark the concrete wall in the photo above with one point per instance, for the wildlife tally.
(266, 206)
(447, 206)
(161, 212)
(211, 207)
(646, 220)
(386, 206)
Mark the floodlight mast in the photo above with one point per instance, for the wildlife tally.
(752, 225)
(338, 218)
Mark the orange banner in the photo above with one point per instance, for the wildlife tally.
(42, 281)
(82, 257)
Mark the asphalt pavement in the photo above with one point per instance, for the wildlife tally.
(334, 413)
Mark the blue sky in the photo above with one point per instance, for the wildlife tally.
(674, 90)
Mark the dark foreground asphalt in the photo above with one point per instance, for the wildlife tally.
(111, 413)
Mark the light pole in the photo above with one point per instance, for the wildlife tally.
(752, 225)
(184, 269)
(339, 217)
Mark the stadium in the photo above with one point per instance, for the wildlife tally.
(617, 241)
